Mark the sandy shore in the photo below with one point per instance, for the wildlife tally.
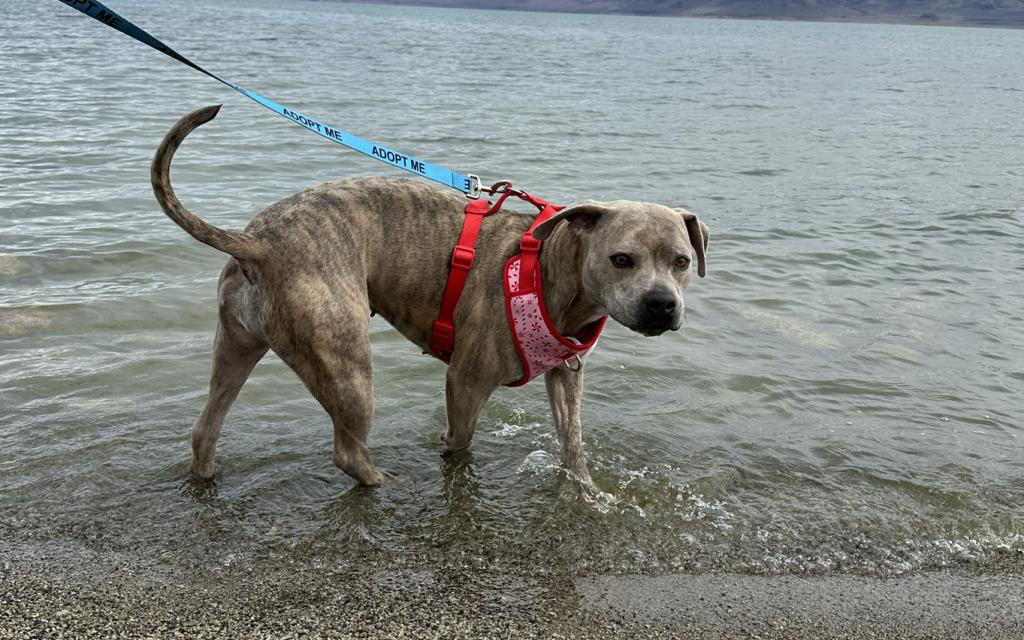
(61, 590)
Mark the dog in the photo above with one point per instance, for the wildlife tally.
(307, 273)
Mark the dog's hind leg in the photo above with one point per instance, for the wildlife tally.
(236, 350)
(327, 343)
(234, 357)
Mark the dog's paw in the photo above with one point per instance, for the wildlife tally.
(205, 471)
(590, 493)
(601, 500)
(449, 447)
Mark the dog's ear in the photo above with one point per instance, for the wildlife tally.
(580, 216)
(698, 232)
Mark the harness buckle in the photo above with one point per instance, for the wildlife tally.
(462, 257)
(529, 243)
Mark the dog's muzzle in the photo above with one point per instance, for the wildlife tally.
(659, 312)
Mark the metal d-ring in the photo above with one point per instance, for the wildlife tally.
(579, 363)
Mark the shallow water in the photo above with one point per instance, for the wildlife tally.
(845, 396)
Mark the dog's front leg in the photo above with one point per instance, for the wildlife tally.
(465, 396)
(565, 391)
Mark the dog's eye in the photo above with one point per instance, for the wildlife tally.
(682, 262)
(622, 261)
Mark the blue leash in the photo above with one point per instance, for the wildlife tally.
(467, 184)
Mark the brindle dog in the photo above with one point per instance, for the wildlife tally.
(307, 273)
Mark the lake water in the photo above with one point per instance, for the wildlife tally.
(846, 395)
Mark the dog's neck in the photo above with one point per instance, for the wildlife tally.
(561, 262)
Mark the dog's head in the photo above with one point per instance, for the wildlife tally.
(638, 258)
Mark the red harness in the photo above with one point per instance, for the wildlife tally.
(538, 342)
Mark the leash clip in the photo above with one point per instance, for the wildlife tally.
(475, 187)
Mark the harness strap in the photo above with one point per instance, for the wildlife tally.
(442, 339)
(529, 248)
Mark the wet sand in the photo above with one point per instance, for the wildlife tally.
(64, 590)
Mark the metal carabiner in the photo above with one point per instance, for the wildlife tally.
(501, 186)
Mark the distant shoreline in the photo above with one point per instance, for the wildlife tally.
(925, 20)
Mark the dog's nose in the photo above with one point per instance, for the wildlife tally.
(660, 303)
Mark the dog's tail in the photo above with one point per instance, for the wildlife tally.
(241, 245)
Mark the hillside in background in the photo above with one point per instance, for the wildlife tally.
(1008, 13)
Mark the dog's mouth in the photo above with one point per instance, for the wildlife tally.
(652, 327)
(652, 330)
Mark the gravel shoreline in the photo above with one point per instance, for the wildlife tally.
(61, 590)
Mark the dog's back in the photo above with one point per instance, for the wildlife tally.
(387, 239)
